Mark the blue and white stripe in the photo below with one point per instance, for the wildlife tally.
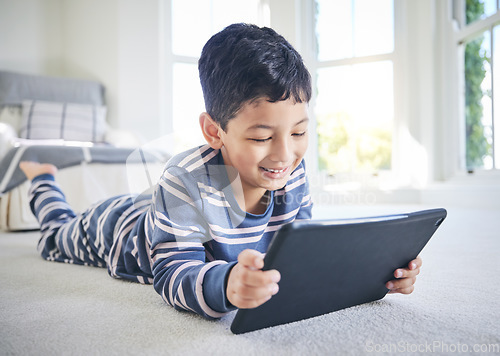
(184, 240)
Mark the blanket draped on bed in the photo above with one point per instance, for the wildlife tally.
(66, 156)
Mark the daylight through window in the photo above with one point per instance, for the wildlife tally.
(481, 63)
(354, 82)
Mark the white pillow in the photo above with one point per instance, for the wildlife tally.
(7, 138)
(67, 121)
(12, 115)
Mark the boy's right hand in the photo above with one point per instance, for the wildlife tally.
(248, 286)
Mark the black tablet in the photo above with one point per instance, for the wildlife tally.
(330, 265)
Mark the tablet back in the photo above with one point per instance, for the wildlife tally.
(330, 265)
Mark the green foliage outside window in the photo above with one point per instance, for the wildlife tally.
(345, 147)
(476, 144)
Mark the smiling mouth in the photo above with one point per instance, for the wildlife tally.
(274, 175)
(274, 170)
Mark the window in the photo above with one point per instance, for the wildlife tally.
(479, 38)
(353, 71)
(192, 23)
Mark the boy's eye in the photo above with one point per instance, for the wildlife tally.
(260, 139)
(299, 134)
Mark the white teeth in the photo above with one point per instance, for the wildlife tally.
(274, 170)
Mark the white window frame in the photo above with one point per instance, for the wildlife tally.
(440, 123)
(427, 36)
(168, 59)
(463, 34)
(308, 50)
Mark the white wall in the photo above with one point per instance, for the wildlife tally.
(414, 72)
(139, 66)
(118, 42)
(90, 45)
(30, 36)
(115, 42)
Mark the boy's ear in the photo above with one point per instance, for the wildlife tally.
(211, 131)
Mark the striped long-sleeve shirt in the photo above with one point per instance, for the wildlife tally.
(195, 229)
(184, 240)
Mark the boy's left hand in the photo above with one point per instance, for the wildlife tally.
(405, 278)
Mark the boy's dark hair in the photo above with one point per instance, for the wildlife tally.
(243, 63)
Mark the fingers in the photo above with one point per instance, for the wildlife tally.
(245, 297)
(404, 286)
(251, 259)
(412, 271)
(406, 273)
(254, 261)
(405, 278)
(415, 264)
(249, 286)
(249, 289)
(408, 290)
(256, 278)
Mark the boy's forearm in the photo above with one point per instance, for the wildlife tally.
(215, 287)
(197, 287)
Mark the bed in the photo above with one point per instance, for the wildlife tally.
(63, 121)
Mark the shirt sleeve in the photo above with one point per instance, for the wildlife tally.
(305, 210)
(181, 274)
(306, 204)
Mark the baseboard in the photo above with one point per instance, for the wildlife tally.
(475, 196)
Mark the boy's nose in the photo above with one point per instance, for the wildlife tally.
(281, 151)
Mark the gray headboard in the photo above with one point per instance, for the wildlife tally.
(16, 87)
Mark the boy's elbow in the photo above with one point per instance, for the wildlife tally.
(200, 313)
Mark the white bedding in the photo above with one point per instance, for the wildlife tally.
(83, 185)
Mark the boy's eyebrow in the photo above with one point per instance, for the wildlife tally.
(267, 127)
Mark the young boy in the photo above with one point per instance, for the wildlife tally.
(200, 238)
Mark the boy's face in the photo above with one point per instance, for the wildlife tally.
(265, 142)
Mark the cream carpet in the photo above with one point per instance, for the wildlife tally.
(49, 308)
